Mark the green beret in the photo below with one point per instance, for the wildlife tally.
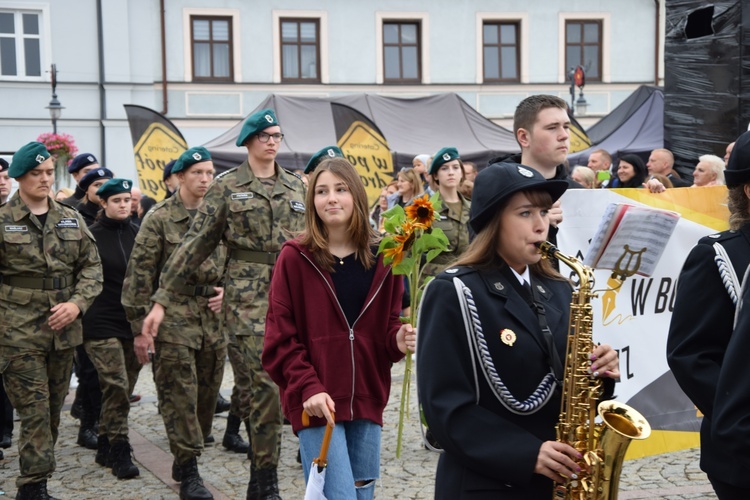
(256, 122)
(114, 186)
(443, 156)
(190, 157)
(327, 152)
(27, 158)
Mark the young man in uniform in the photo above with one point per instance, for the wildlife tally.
(51, 274)
(253, 209)
(80, 166)
(190, 335)
(4, 181)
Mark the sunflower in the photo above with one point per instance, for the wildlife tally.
(402, 244)
(421, 212)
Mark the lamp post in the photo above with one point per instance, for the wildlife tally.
(577, 78)
(55, 108)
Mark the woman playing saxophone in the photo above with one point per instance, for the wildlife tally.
(492, 341)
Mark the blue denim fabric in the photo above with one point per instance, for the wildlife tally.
(353, 455)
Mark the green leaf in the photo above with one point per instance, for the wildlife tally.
(433, 253)
(404, 266)
(436, 200)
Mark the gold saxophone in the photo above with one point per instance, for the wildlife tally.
(602, 444)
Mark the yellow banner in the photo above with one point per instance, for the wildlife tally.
(156, 147)
(368, 151)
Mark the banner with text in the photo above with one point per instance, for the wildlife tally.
(635, 318)
(156, 142)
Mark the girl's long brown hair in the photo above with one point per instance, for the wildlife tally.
(483, 254)
(315, 235)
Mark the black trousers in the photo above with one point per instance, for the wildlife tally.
(6, 412)
(726, 491)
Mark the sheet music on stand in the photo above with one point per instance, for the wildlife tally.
(633, 230)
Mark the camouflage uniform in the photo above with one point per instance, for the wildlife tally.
(191, 346)
(41, 266)
(239, 211)
(456, 229)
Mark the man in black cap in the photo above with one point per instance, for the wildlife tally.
(4, 181)
(79, 167)
(708, 295)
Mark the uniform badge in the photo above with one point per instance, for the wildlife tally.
(525, 172)
(443, 217)
(39, 159)
(67, 222)
(126, 184)
(242, 196)
(268, 118)
(717, 235)
(332, 153)
(90, 158)
(499, 287)
(297, 206)
(541, 290)
(196, 156)
(16, 229)
(452, 270)
(446, 157)
(508, 337)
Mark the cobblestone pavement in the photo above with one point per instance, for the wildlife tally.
(670, 476)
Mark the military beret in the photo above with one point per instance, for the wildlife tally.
(255, 123)
(3, 165)
(443, 156)
(168, 170)
(27, 158)
(498, 182)
(82, 160)
(93, 175)
(737, 172)
(114, 186)
(190, 157)
(327, 152)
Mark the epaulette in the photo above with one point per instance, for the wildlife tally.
(225, 173)
(454, 271)
(291, 172)
(75, 209)
(718, 237)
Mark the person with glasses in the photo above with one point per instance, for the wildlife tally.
(252, 209)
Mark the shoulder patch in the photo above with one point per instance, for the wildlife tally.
(452, 271)
(225, 173)
(722, 236)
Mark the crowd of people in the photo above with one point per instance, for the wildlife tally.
(280, 273)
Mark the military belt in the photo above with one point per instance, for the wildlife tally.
(256, 257)
(53, 283)
(198, 290)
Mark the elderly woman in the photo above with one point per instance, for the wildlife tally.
(709, 171)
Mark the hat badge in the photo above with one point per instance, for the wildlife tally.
(90, 158)
(126, 184)
(446, 156)
(331, 153)
(196, 156)
(39, 158)
(100, 172)
(525, 172)
(268, 118)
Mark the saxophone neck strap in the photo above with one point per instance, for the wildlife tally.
(553, 357)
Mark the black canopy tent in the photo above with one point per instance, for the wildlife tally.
(411, 126)
(635, 126)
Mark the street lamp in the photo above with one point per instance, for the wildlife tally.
(55, 108)
(577, 78)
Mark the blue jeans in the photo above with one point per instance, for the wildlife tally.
(353, 455)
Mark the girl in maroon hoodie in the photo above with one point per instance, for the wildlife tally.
(333, 331)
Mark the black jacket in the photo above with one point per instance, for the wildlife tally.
(699, 333)
(490, 452)
(106, 316)
(89, 211)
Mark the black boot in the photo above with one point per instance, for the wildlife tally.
(34, 491)
(222, 405)
(232, 440)
(176, 471)
(102, 451)
(253, 490)
(121, 460)
(191, 487)
(268, 484)
(86, 434)
(76, 409)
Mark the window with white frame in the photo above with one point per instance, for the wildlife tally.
(20, 44)
(211, 38)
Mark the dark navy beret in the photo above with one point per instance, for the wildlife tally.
(498, 182)
(94, 175)
(114, 186)
(168, 170)
(443, 156)
(3, 165)
(327, 152)
(258, 121)
(190, 157)
(27, 158)
(82, 160)
(737, 172)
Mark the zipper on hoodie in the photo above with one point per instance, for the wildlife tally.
(351, 327)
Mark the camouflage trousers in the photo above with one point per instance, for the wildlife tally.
(187, 383)
(118, 370)
(255, 398)
(37, 383)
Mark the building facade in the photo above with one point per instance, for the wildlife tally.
(206, 65)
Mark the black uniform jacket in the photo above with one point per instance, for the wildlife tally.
(490, 452)
(702, 322)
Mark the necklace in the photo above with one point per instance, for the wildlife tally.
(341, 261)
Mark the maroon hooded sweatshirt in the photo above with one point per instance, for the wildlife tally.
(309, 346)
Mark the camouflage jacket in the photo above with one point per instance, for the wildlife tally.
(188, 321)
(61, 248)
(456, 229)
(239, 211)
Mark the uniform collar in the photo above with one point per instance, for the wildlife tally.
(179, 212)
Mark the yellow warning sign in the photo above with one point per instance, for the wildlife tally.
(157, 146)
(368, 151)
